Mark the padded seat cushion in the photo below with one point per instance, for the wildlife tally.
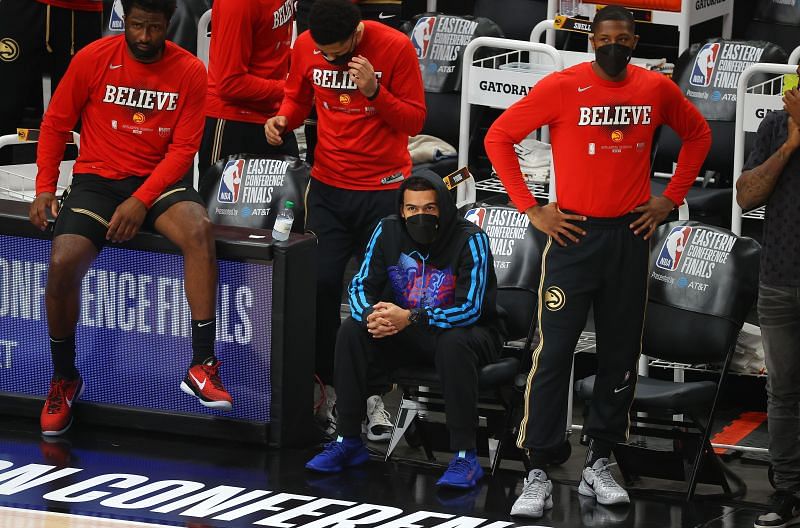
(660, 394)
(500, 372)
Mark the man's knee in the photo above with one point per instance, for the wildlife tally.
(452, 347)
(198, 237)
(66, 268)
(350, 329)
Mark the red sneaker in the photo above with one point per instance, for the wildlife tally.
(203, 382)
(56, 415)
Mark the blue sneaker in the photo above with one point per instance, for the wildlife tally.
(339, 455)
(463, 472)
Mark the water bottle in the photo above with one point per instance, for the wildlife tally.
(283, 222)
(569, 8)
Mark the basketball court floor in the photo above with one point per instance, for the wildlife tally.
(123, 478)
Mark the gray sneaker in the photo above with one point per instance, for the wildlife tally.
(598, 482)
(536, 496)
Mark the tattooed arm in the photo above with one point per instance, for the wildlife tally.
(754, 186)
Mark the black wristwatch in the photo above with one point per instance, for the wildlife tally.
(415, 315)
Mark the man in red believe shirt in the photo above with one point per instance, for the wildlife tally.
(140, 100)
(365, 81)
(602, 117)
(247, 66)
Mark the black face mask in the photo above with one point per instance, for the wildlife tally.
(613, 58)
(422, 228)
(343, 60)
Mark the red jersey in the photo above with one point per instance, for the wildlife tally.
(601, 133)
(361, 142)
(138, 119)
(249, 58)
(95, 6)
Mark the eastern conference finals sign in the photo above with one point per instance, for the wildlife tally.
(134, 494)
(135, 320)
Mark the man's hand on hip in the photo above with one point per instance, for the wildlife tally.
(43, 203)
(127, 220)
(274, 129)
(653, 212)
(551, 221)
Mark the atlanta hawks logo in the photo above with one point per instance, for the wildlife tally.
(554, 298)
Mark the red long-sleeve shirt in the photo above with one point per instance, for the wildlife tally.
(360, 141)
(249, 58)
(138, 119)
(95, 6)
(601, 134)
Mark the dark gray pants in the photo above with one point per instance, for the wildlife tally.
(779, 317)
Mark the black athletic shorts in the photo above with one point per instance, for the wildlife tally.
(90, 201)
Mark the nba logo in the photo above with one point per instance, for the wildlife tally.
(421, 35)
(116, 21)
(230, 182)
(673, 248)
(476, 216)
(704, 65)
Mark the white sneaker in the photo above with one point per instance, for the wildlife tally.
(536, 496)
(325, 409)
(378, 425)
(597, 481)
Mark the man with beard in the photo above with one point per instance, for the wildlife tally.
(141, 101)
(602, 117)
(425, 293)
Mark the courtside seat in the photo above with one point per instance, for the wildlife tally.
(691, 325)
(501, 383)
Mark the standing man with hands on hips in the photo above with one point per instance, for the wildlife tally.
(364, 80)
(602, 117)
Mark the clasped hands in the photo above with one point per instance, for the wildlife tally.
(387, 319)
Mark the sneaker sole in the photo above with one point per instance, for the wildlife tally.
(586, 490)
(467, 485)
(219, 405)
(337, 469)
(71, 418)
(548, 505)
(385, 437)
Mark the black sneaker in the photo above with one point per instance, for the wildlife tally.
(784, 512)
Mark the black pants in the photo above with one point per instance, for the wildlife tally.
(457, 353)
(222, 137)
(608, 269)
(343, 221)
(24, 56)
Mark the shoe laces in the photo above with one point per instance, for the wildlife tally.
(56, 396)
(335, 448)
(460, 466)
(379, 415)
(212, 371)
(603, 473)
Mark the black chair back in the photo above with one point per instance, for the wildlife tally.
(517, 250)
(703, 281)
(246, 191)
